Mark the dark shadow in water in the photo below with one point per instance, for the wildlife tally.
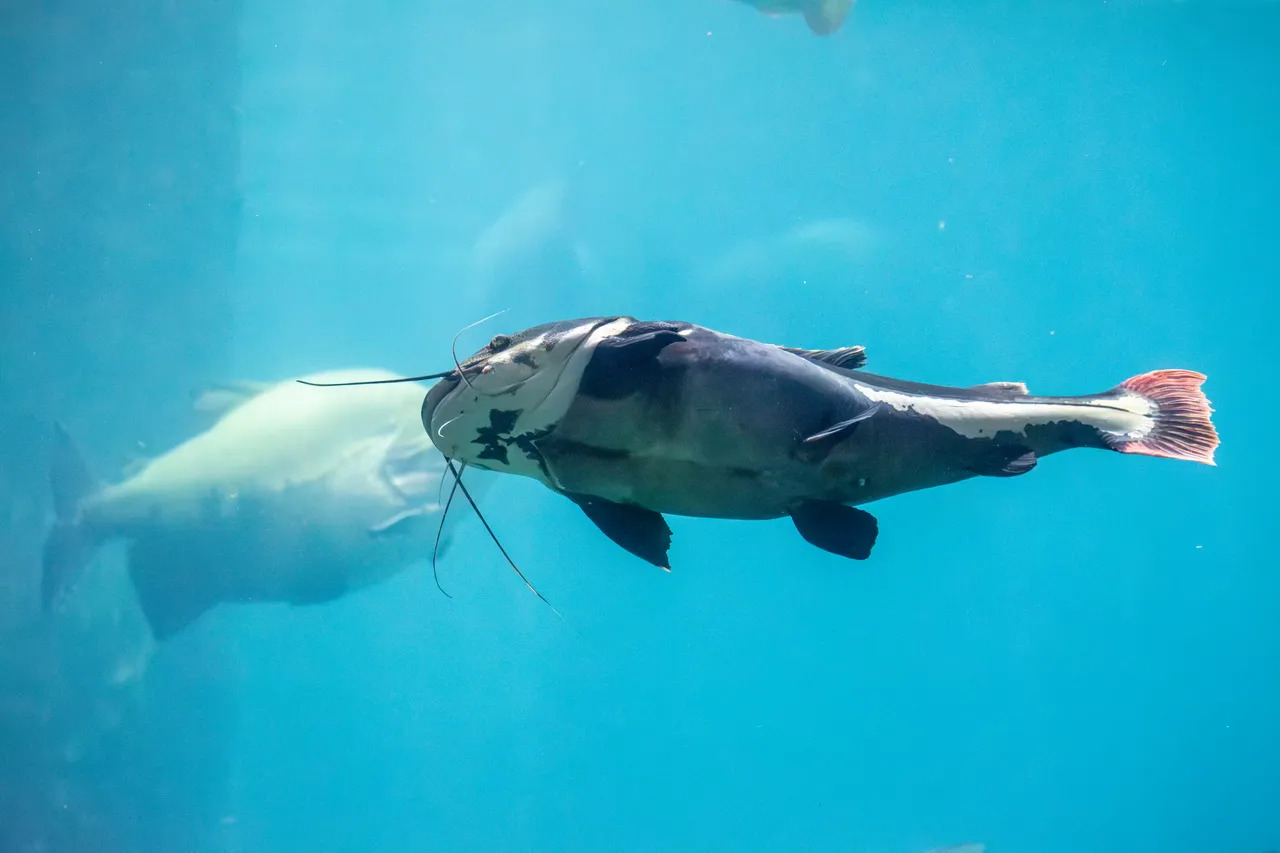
(119, 219)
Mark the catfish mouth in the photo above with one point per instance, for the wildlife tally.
(525, 345)
(435, 396)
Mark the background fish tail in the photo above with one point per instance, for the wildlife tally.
(824, 17)
(71, 544)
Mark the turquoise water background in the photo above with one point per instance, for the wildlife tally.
(1068, 194)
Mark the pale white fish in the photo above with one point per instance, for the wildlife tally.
(532, 221)
(807, 246)
(823, 17)
(296, 494)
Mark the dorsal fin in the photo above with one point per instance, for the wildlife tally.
(133, 465)
(1018, 389)
(221, 398)
(850, 358)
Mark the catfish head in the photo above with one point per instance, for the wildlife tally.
(515, 390)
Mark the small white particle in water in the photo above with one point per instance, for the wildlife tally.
(708, 32)
(1198, 547)
(942, 225)
(968, 275)
(862, 481)
(1052, 333)
(951, 159)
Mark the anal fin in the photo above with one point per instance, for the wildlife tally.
(171, 597)
(1003, 460)
(641, 531)
(318, 589)
(838, 529)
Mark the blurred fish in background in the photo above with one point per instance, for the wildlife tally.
(823, 17)
(296, 494)
(807, 248)
(835, 256)
(533, 251)
(118, 235)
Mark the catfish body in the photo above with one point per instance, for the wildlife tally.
(636, 419)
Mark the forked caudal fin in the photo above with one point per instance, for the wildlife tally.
(1182, 427)
(70, 545)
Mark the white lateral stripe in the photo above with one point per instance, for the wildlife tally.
(1128, 416)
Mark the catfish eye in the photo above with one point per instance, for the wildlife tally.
(499, 343)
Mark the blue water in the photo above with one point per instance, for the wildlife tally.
(1083, 659)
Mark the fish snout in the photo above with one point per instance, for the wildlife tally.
(435, 396)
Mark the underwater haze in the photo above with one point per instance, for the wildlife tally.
(1066, 194)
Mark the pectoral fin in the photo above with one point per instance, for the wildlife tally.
(843, 429)
(641, 531)
(817, 446)
(411, 465)
(842, 530)
(402, 523)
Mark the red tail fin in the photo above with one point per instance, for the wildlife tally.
(1183, 429)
